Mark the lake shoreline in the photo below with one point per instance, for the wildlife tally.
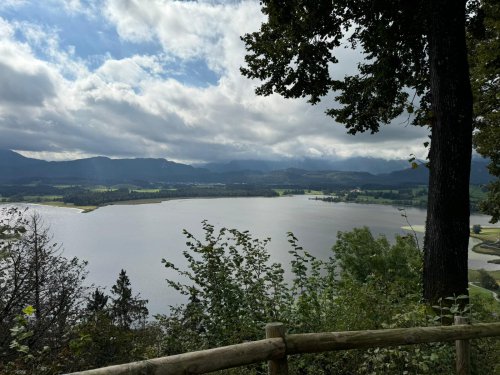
(132, 202)
(136, 237)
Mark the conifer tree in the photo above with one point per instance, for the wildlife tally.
(126, 310)
(34, 274)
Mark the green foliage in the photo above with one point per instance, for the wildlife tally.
(487, 281)
(293, 54)
(28, 360)
(97, 303)
(34, 273)
(100, 342)
(88, 197)
(44, 328)
(484, 59)
(114, 328)
(312, 289)
(126, 310)
(368, 283)
(361, 257)
(233, 291)
(20, 332)
(491, 205)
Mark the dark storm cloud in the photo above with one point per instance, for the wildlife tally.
(24, 88)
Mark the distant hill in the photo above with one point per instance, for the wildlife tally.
(479, 174)
(355, 164)
(18, 169)
(408, 176)
(15, 168)
(301, 177)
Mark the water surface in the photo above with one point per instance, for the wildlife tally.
(137, 237)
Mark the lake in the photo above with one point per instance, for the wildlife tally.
(137, 237)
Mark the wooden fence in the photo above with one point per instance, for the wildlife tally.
(278, 345)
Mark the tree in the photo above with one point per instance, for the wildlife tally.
(233, 291)
(409, 46)
(100, 341)
(97, 303)
(476, 228)
(34, 273)
(126, 309)
(361, 257)
(487, 281)
(114, 332)
(484, 46)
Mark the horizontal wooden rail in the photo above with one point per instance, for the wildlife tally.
(329, 341)
(278, 348)
(200, 362)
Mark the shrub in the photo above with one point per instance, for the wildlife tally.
(368, 283)
(487, 281)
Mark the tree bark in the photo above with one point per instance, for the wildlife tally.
(447, 227)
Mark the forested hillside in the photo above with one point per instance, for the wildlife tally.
(17, 169)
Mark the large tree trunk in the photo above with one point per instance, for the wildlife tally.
(447, 227)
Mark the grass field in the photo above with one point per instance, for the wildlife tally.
(313, 192)
(474, 275)
(101, 189)
(475, 290)
(484, 297)
(148, 190)
(42, 198)
(369, 199)
(281, 192)
(487, 234)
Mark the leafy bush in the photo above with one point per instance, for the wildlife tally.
(113, 328)
(233, 291)
(487, 281)
(34, 273)
(368, 283)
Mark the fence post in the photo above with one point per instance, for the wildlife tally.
(463, 351)
(277, 366)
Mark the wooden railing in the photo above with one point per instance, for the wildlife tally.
(278, 345)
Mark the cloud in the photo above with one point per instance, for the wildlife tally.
(88, 8)
(131, 71)
(26, 88)
(6, 4)
(58, 103)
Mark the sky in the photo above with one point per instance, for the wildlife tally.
(159, 78)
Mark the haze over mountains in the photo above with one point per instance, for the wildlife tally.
(15, 168)
(355, 164)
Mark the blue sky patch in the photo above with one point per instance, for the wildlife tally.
(94, 41)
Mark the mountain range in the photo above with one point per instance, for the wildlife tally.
(355, 164)
(17, 169)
